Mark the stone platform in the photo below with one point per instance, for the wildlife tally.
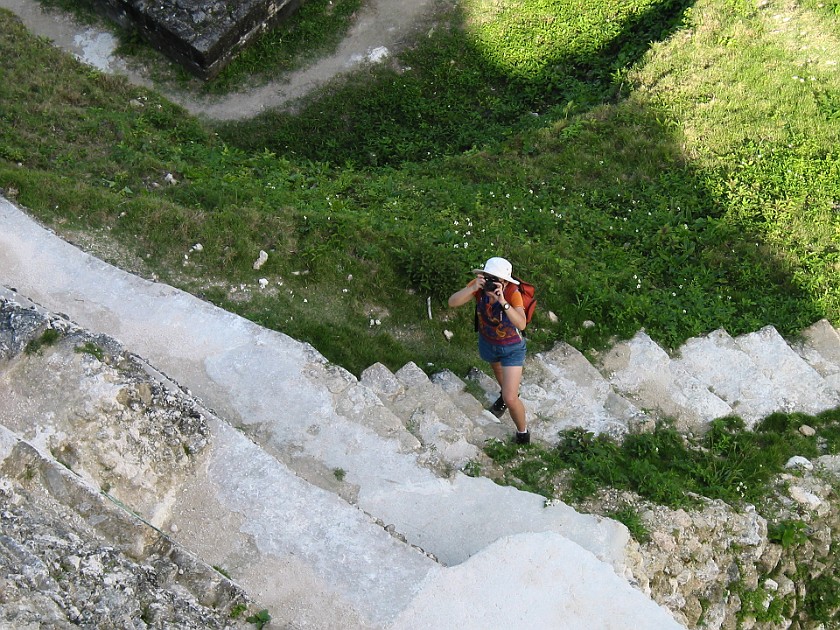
(201, 35)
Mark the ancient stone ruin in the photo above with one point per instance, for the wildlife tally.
(201, 35)
(164, 478)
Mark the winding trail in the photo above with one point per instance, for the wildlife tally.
(380, 28)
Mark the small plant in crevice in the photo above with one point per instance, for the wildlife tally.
(788, 533)
(222, 571)
(631, 519)
(339, 473)
(237, 609)
(472, 468)
(92, 349)
(762, 605)
(259, 619)
(147, 615)
(29, 472)
(48, 338)
(474, 388)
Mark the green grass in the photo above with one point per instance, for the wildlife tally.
(47, 338)
(727, 462)
(644, 164)
(315, 29)
(492, 72)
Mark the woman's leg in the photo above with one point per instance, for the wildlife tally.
(497, 371)
(511, 377)
(509, 380)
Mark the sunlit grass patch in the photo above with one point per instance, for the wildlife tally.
(703, 77)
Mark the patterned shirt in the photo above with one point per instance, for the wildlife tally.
(493, 323)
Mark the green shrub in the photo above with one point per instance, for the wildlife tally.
(822, 599)
(728, 462)
(47, 338)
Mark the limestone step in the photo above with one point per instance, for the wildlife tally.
(456, 388)
(717, 361)
(643, 372)
(486, 425)
(397, 487)
(438, 409)
(493, 428)
(562, 390)
(819, 346)
(426, 410)
(78, 517)
(800, 387)
(574, 591)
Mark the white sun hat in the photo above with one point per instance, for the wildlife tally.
(498, 267)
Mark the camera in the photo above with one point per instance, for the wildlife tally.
(491, 284)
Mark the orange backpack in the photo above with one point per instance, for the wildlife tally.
(529, 302)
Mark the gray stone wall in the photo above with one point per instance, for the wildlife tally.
(201, 35)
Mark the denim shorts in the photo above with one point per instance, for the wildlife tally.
(509, 356)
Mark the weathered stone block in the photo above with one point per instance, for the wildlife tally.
(203, 36)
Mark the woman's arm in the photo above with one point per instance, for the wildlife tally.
(465, 295)
(516, 314)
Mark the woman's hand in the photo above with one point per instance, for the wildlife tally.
(497, 292)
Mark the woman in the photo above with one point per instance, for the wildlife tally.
(500, 318)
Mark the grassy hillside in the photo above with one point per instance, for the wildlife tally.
(667, 165)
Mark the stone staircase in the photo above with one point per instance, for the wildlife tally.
(338, 502)
(355, 556)
(716, 375)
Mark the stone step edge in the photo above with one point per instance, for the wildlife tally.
(62, 323)
(126, 531)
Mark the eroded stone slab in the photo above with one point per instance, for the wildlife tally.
(583, 594)
(819, 346)
(717, 361)
(644, 372)
(801, 387)
(562, 390)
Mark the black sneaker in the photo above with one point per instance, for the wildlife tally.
(499, 407)
(522, 438)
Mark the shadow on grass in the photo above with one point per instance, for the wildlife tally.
(624, 234)
(598, 209)
(446, 96)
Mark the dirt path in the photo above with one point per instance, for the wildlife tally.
(381, 27)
